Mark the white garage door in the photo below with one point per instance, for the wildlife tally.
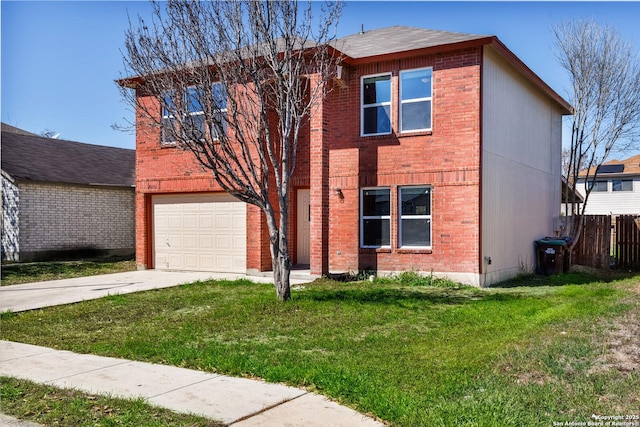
(205, 232)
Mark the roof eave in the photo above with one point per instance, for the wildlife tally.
(416, 52)
(492, 41)
(567, 109)
(130, 82)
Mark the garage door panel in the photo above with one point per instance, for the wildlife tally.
(207, 241)
(190, 221)
(172, 241)
(199, 232)
(190, 261)
(174, 221)
(239, 222)
(206, 222)
(239, 242)
(191, 241)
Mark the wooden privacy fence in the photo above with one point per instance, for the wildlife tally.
(594, 246)
(608, 241)
(626, 251)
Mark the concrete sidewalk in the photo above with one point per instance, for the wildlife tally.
(235, 401)
(31, 296)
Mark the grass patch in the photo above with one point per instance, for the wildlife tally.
(48, 405)
(14, 274)
(410, 355)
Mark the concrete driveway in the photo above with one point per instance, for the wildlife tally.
(31, 296)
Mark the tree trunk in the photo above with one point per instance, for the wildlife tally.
(279, 247)
(281, 273)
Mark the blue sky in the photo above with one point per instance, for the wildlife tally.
(60, 59)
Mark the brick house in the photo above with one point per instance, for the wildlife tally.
(64, 199)
(435, 151)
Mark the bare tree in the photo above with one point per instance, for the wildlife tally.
(48, 133)
(604, 72)
(235, 82)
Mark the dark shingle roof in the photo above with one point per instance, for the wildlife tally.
(13, 129)
(397, 39)
(35, 158)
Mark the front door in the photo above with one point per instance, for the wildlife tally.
(304, 234)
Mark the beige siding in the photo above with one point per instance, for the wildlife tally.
(57, 217)
(521, 146)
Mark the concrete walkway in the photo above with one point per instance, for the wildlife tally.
(235, 401)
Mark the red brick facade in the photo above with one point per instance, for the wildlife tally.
(332, 155)
(447, 159)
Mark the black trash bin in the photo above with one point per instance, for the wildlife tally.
(550, 253)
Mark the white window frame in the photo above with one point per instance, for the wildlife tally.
(376, 105)
(221, 111)
(166, 115)
(621, 190)
(401, 217)
(186, 99)
(591, 184)
(402, 101)
(378, 217)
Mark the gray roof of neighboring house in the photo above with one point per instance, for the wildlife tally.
(397, 39)
(13, 129)
(35, 158)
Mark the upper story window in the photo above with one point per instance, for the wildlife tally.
(375, 218)
(376, 105)
(598, 186)
(168, 119)
(415, 217)
(194, 120)
(622, 185)
(192, 113)
(415, 100)
(220, 107)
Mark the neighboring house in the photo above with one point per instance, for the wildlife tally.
(616, 190)
(435, 152)
(64, 199)
(569, 195)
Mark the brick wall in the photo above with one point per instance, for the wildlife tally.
(332, 155)
(57, 217)
(447, 159)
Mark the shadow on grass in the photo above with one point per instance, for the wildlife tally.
(564, 279)
(406, 297)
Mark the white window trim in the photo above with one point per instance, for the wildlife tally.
(613, 190)
(168, 116)
(409, 101)
(377, 104)
(591, 184)
(186, 100)
(401, 217)
(363, 217)
(221, 111)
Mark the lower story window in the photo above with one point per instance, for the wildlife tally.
(375, 214)
(415, 217)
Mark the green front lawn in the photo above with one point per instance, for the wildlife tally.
(14, 274)
(54, 406)
(410, 355)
